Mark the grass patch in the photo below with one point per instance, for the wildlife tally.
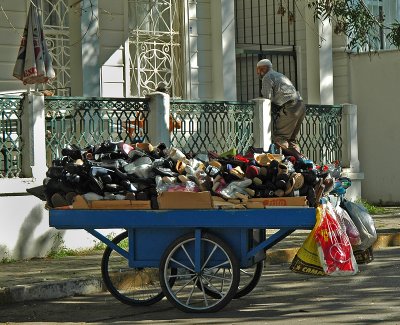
(373, 209)
(60, 251)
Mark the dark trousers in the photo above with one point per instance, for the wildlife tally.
(288, 123)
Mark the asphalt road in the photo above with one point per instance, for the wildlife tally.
(281, 297)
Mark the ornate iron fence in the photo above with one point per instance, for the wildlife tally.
(320, 136)
(10, 138)
(321, 133)
(215, 126)
(197, 126)
(87, 121)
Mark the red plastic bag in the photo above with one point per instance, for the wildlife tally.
(334, 248)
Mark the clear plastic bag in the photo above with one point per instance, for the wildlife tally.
(364, 223)
(349, 226)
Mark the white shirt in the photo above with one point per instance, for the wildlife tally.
(278, 88)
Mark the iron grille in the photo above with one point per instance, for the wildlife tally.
(212, 126)
(264, 29)
(10, 141)
(320, 136)
(88, 121)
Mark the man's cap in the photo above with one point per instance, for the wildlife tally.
(265, 62)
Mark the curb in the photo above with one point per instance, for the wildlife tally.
(67, 288)
(46, 291)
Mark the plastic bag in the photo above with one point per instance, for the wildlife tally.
(334, 248)
(364, 223)
(307, 260)
(348, 224)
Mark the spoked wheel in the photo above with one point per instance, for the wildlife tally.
(132, 286)
(218, 269)
(249, 278)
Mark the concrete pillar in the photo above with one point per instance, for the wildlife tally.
(223, 50)
(191, 50)
(34, 136)
(90, 48)
(158, 119)
(312, 59)
(326, 63)
(262, 123)
(349, 133)
(85, 48)
(350, 160)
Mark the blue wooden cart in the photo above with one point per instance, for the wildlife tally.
(198, 259)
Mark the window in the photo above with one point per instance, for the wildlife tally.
(387, 11)
(155, 46)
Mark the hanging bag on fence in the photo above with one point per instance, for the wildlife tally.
(334, 248)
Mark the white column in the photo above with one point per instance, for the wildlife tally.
(326, 63)
(191, 50)
(158, 119)
(262, 123)
(34, 135)
(223, 49)
(312, 59)
(350, 160)
(350, 140)
(90, 48)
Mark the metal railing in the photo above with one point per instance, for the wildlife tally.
(321, 133)
(10, 138)
(202, 126)
(195, 127)
(88, 121)
(320, 136)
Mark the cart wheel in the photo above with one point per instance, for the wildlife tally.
(249, 278)
(219, 270)
(132, 286)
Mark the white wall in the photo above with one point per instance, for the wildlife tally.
(25, 230)
(375, 86)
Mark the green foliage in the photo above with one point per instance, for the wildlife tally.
(372, 209)
(59, 250)
(353, 19)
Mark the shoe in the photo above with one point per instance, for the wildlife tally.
(55, 172)
(69, 197)
(57, 200)
(228, 154)
(292, 152)
(37, 191)
(72, 151)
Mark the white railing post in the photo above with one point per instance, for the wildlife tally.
(34, 137)
(158, 119)
(262, 123)
(350, 159)
(350, 162)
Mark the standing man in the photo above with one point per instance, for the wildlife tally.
(280, 90)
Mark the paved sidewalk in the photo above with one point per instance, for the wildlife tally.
(42, 279)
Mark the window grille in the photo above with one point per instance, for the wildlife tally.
(56, 29)
(155, 46)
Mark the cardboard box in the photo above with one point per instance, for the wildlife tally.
(184, 200)
(81, 203)
(121, 205)
(261, 203)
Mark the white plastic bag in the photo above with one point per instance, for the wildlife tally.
(364, 223)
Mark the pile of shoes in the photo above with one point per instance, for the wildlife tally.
(121, 171)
